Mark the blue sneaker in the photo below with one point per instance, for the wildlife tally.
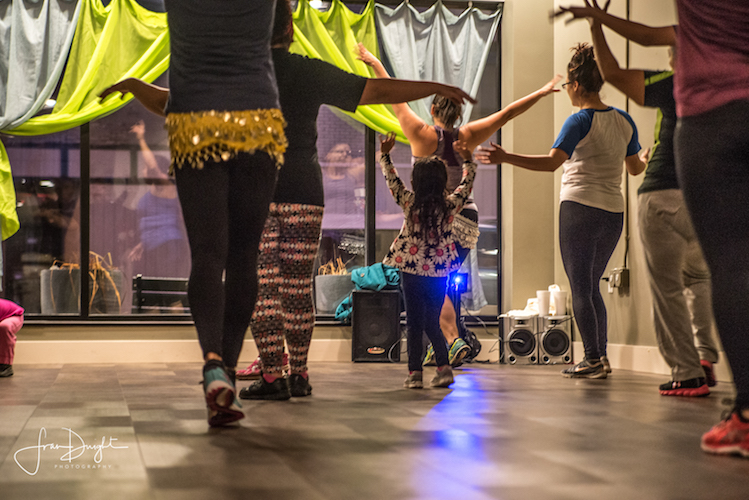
(220, 396)
(458, 350)
(429, 358)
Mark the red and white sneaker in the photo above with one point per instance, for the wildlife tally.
(254, 371)
(729, 437)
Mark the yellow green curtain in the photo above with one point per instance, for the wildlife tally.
(332, 36)
(111, 43)
(8, 217)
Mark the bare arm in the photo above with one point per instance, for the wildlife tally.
(494, 154)
(422, 137)
(151, 167)
(392, 91)
(478, 131)
(152, 97)
(636, 164)
(641, 34)
(631, 82)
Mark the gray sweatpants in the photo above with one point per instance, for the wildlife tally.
(679, 282)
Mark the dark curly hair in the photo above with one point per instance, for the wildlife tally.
(429, 181)
(584, 70)
(283, 26)
(446, 111)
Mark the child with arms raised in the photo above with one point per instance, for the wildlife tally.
(425, 250)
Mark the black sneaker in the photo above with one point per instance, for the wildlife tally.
(694, 387)
(586, 369)
(278, 390)
(299, 386)
(6, 370)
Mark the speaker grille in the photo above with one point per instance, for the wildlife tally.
(555, 342)
(376, 326)
(522, 343)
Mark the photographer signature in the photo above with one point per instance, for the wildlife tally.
(75, 448)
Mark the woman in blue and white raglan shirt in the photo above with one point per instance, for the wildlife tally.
(592, 145)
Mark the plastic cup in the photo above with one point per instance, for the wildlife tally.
(559, 298)
(543, 296)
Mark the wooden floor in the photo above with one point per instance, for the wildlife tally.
(503, 432)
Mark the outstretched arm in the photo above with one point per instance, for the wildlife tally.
(631, 82)
(478, 131)
(494, 154)
(422, 137)
(393, 91)
(152, 97)
(639, 33)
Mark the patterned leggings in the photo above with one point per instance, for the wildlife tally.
(284, 307)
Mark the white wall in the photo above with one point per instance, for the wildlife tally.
(534, 48)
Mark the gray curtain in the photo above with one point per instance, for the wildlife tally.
(35, 37)
(437, 45)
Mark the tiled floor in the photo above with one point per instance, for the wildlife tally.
(502, 432)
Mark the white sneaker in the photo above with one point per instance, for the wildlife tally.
(414, 381)
(443, 378)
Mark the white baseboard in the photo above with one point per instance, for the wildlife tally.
(49, 352)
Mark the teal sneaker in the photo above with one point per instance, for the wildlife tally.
(429, 358)
(220, 396)
(458, 350)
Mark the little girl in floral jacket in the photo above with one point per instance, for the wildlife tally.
(425, 252)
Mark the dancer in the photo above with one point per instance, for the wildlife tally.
(226, 140)
(592, 145)
(679, 278)
(427, 140)
(425, 251)
(712, 162)
(295, 219)
(292, 235)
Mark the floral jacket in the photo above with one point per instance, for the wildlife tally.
(438, 256)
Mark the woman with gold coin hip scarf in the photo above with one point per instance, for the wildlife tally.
(227, 141)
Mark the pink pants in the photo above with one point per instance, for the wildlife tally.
(8, 329)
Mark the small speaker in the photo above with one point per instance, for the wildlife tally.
(375, 322)
(555, 340)
(519, 344)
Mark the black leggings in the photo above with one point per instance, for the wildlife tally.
(712, 159)
(587, 238)
(424, 297)
(225, 206)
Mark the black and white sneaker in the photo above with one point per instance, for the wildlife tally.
(278, 390)
(586, 369)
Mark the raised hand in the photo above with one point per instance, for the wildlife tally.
(387, 142)
(493, 154)
(462, 149)
(549, 87)
(139, 129)
(365, 56)
(589, 11)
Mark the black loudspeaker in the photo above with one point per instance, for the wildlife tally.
(375, 321)
(555, 340)
(519, 340)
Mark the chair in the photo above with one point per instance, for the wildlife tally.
(160, 295)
